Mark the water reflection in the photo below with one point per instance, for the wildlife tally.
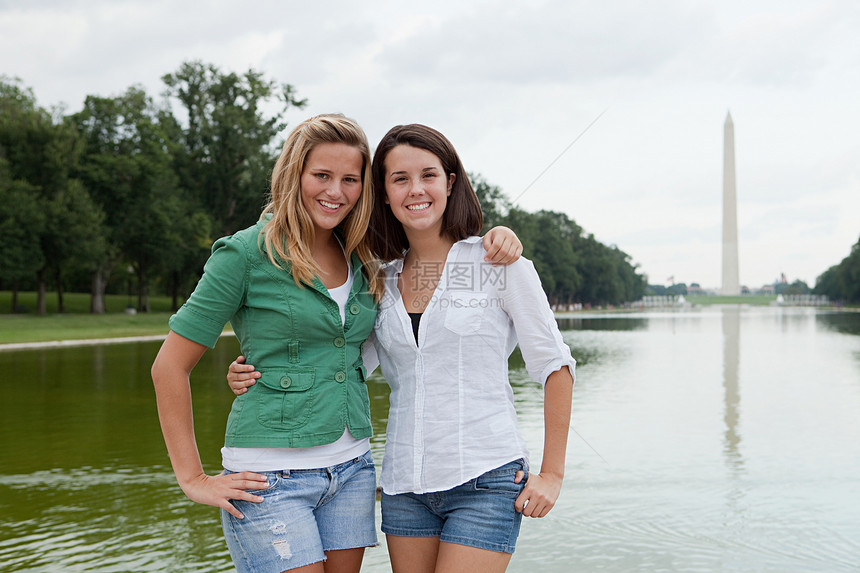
(603, 322)
(731, 325)
(845, 322)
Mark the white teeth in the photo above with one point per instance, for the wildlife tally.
(328, 205)
(418, 206)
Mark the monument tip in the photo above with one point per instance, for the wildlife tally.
(728, 117)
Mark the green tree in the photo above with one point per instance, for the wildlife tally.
(21, 221)
(829, 283)
(555, 257)
(127, 165)
(24, 132)
(226, 160)
(40, 150)
(573, 267)
(599, 278)
(21, 255)
(842, 282)
(633, 284)
(191, 240)
(797, 287)
(76, 237)
(494, 203)
(525, 225)
(850, 271)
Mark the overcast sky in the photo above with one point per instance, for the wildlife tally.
(513, 85)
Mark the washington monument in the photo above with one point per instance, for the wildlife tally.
(731, 283)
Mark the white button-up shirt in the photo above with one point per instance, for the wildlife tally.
(452, 415)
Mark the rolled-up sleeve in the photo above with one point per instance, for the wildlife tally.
(218, 295)
(539, 338)
(369, 355)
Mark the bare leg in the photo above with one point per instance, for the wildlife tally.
(341, 561)
(312, 568)
(412, 554)
(454, 558)
(344, 560)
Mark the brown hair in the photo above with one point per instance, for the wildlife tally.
(290, 232)
(462, 217)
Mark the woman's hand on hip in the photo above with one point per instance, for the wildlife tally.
(539, 495)
(220, 489)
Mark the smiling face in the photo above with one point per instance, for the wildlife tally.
(416, 188)
(331, 183)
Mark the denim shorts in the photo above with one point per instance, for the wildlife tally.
(303, 514)
(479, 513)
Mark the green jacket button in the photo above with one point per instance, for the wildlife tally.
(285, 382)
(339, 342)
(340, 376)
(354, 308)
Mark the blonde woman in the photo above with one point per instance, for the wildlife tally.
(300, 290)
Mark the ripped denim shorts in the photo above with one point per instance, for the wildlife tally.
(304, 513)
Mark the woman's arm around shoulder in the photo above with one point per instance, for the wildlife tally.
(502, 245)
(241, 375)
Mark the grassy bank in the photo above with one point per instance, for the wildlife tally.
(79, 303)
(76, 322)
(29, 328)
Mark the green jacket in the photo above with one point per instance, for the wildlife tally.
(312, 384)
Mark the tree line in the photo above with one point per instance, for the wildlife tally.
(574, 267)
(842, 282)
(131, 191)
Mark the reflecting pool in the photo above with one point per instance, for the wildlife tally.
(715, 439)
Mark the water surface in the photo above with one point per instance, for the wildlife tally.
(717, 439)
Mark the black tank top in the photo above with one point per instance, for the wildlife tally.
(416, 320)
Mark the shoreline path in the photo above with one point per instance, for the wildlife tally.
(85, 342)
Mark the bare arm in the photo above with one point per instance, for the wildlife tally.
(170, 376)
(542, 490)
(241, 375)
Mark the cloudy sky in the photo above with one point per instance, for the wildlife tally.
(611, 112)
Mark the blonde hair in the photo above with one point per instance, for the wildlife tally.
(289, 234)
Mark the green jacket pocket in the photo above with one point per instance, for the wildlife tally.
(285, 397)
